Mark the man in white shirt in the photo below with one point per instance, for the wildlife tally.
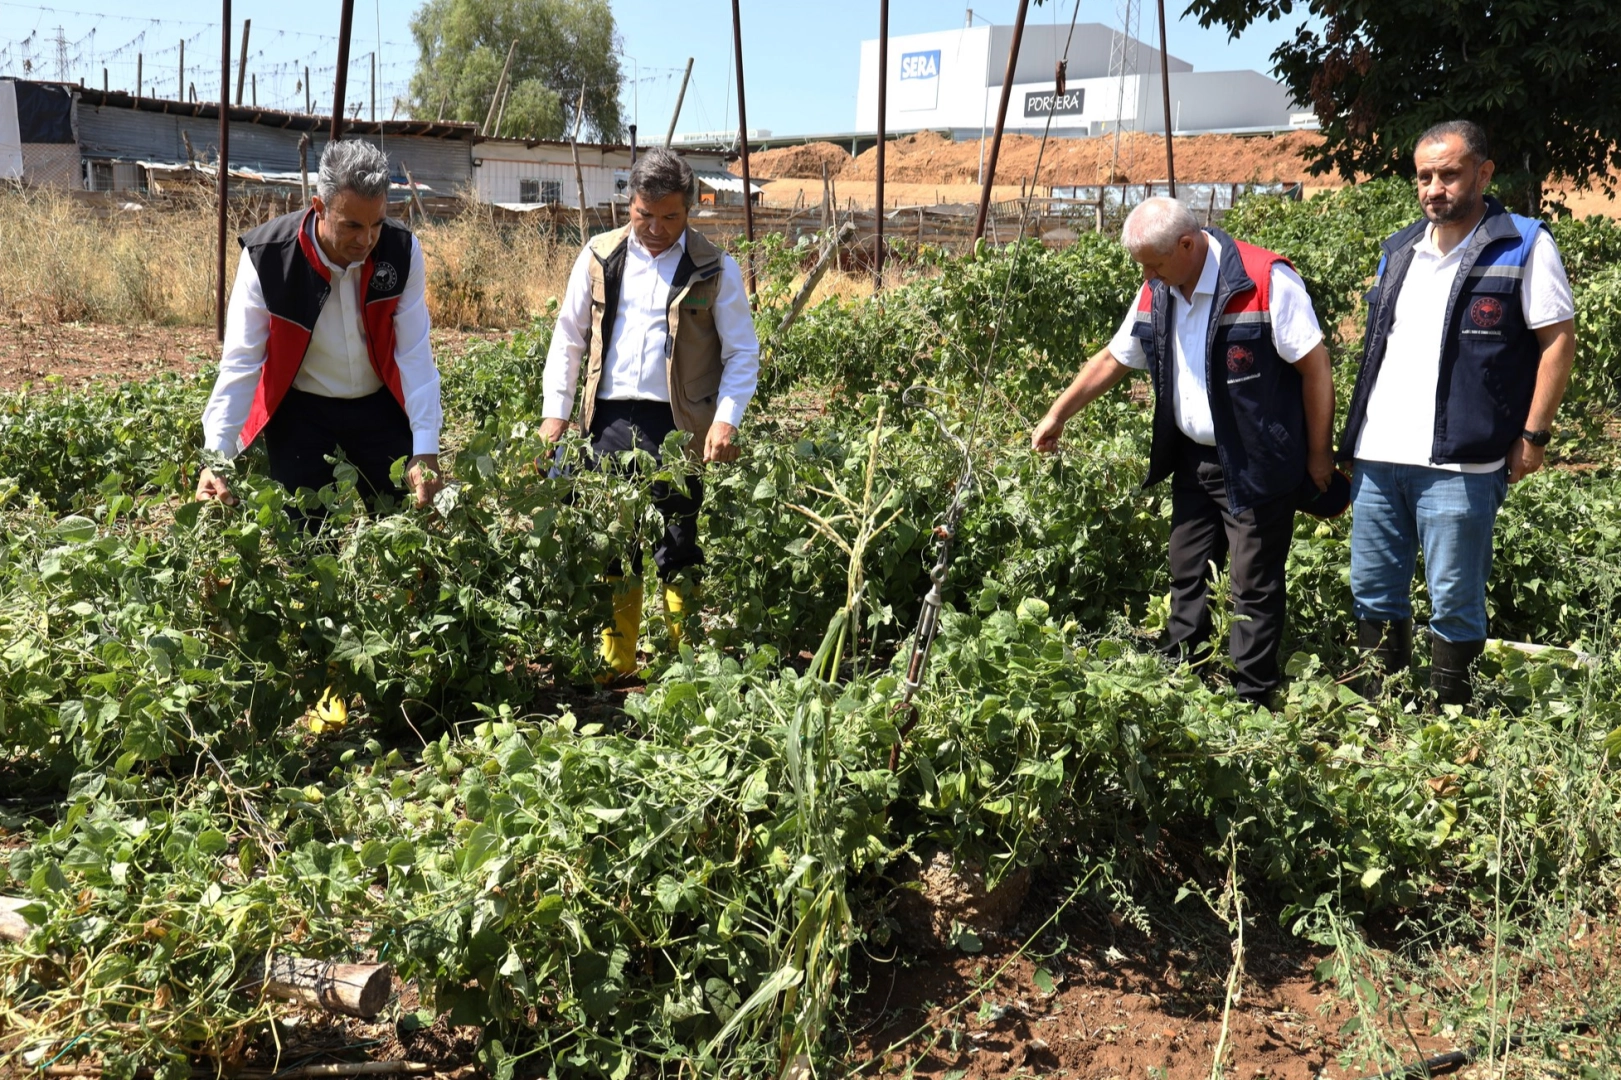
(326, 342)
(1243, 412)
(1468, 348)
(659, 317)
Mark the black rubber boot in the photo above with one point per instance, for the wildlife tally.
(1386, 648)
(1449, 669)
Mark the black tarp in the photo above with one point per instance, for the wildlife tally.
(44, 113)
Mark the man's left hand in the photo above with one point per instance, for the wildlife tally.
(718, 443)
(1320, 467)
(422, 474)
(1523, 460)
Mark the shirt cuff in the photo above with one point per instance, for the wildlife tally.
(730, 411)
(424, 442)
(556, 407)
(224, 444)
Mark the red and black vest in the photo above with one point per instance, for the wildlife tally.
(1255, 395)
(296, 284)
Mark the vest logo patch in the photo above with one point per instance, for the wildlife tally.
(1239, 359)
(1486, 312)
(384, 277)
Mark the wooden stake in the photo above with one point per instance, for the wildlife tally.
(137, 76)
(500, 84)
(574, 147)
(242, 63)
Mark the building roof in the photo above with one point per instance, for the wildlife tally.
(121, 99)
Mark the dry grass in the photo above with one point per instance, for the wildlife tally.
(64, 260)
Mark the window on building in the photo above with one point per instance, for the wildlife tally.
(551, 191)
(533, 190)
(101, 175)
(528, 191)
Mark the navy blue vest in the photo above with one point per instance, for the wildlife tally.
(1489, 357)
(1255, 395)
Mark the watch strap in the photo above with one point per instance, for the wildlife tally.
(1537, 438)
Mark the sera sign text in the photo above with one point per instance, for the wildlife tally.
(1043, 103)
(920, 65)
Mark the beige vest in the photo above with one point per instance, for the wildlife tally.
(692, 356)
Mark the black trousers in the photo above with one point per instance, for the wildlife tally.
(617, 426)
(373, 432)
(1205, 531)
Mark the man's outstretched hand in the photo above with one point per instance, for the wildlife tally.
(212, 488)
(422, 474)
(718, 445)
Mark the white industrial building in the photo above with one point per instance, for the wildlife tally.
(518, 173)
(951, 80)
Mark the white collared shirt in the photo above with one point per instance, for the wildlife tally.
(1295, 332)
(1400, 424)
(336, 364)
(633, 366)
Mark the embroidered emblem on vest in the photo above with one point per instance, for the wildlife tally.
(384, 277)
(1486, 312)
(1239, 359)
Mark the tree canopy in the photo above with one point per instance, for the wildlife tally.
(1541, 77)
(562, 45)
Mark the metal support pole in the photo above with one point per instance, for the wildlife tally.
(883, 86)
(633, 146)
(224, 175)
(242, 64)
(180, 86)
(1001, 119)
(374, 86)
(308, 107)
(138, 59)
(1165, 85)
(345, 24)
(679, 98)
(743, 128)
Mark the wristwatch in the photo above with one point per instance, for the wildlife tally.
(1536, 438)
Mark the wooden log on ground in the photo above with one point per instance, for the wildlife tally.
(351, 989)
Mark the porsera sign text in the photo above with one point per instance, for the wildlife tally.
(1041, 103)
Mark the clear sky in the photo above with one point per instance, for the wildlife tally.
(800, 59)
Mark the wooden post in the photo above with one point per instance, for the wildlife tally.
(1001, 119)
(416, 200)
(304, 167)
(180, 85)
(242, 63)
(500, 84)
(104, 80)
(883, 100)
(574, 147)
(1165, 85)
(253, 83)
(679, 98)
(743, 127)
(827, 201)
(224, 176)
(138, 79)
(308, 107)
(374, 86)
(824, 259)
(346, 22)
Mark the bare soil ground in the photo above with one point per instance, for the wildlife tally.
(35, 356)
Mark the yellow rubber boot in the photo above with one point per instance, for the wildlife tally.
(619, 640)
(679, 599)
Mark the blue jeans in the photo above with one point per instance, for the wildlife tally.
(1396, 509)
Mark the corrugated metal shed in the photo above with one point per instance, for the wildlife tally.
(117, 126)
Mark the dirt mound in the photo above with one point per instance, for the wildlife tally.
(796, 162)
(929, 158)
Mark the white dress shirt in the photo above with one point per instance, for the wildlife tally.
(337, 364)
(1400, 424)
(633, 365)
(1295, 332)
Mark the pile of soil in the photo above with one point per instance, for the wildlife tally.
(797, 162)
(929, 158)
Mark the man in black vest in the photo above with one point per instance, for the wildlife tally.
(1243, 416)
(326, 341)
(1468, 349)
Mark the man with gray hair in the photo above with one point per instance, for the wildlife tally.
(660, 318)
(1243, 412)
(326, 342)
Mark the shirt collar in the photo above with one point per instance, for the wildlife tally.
(1426, 241)
(1212, 267)
(679, 245)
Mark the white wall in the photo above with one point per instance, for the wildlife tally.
(11, 144)
(967, 64)
(499, 165)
